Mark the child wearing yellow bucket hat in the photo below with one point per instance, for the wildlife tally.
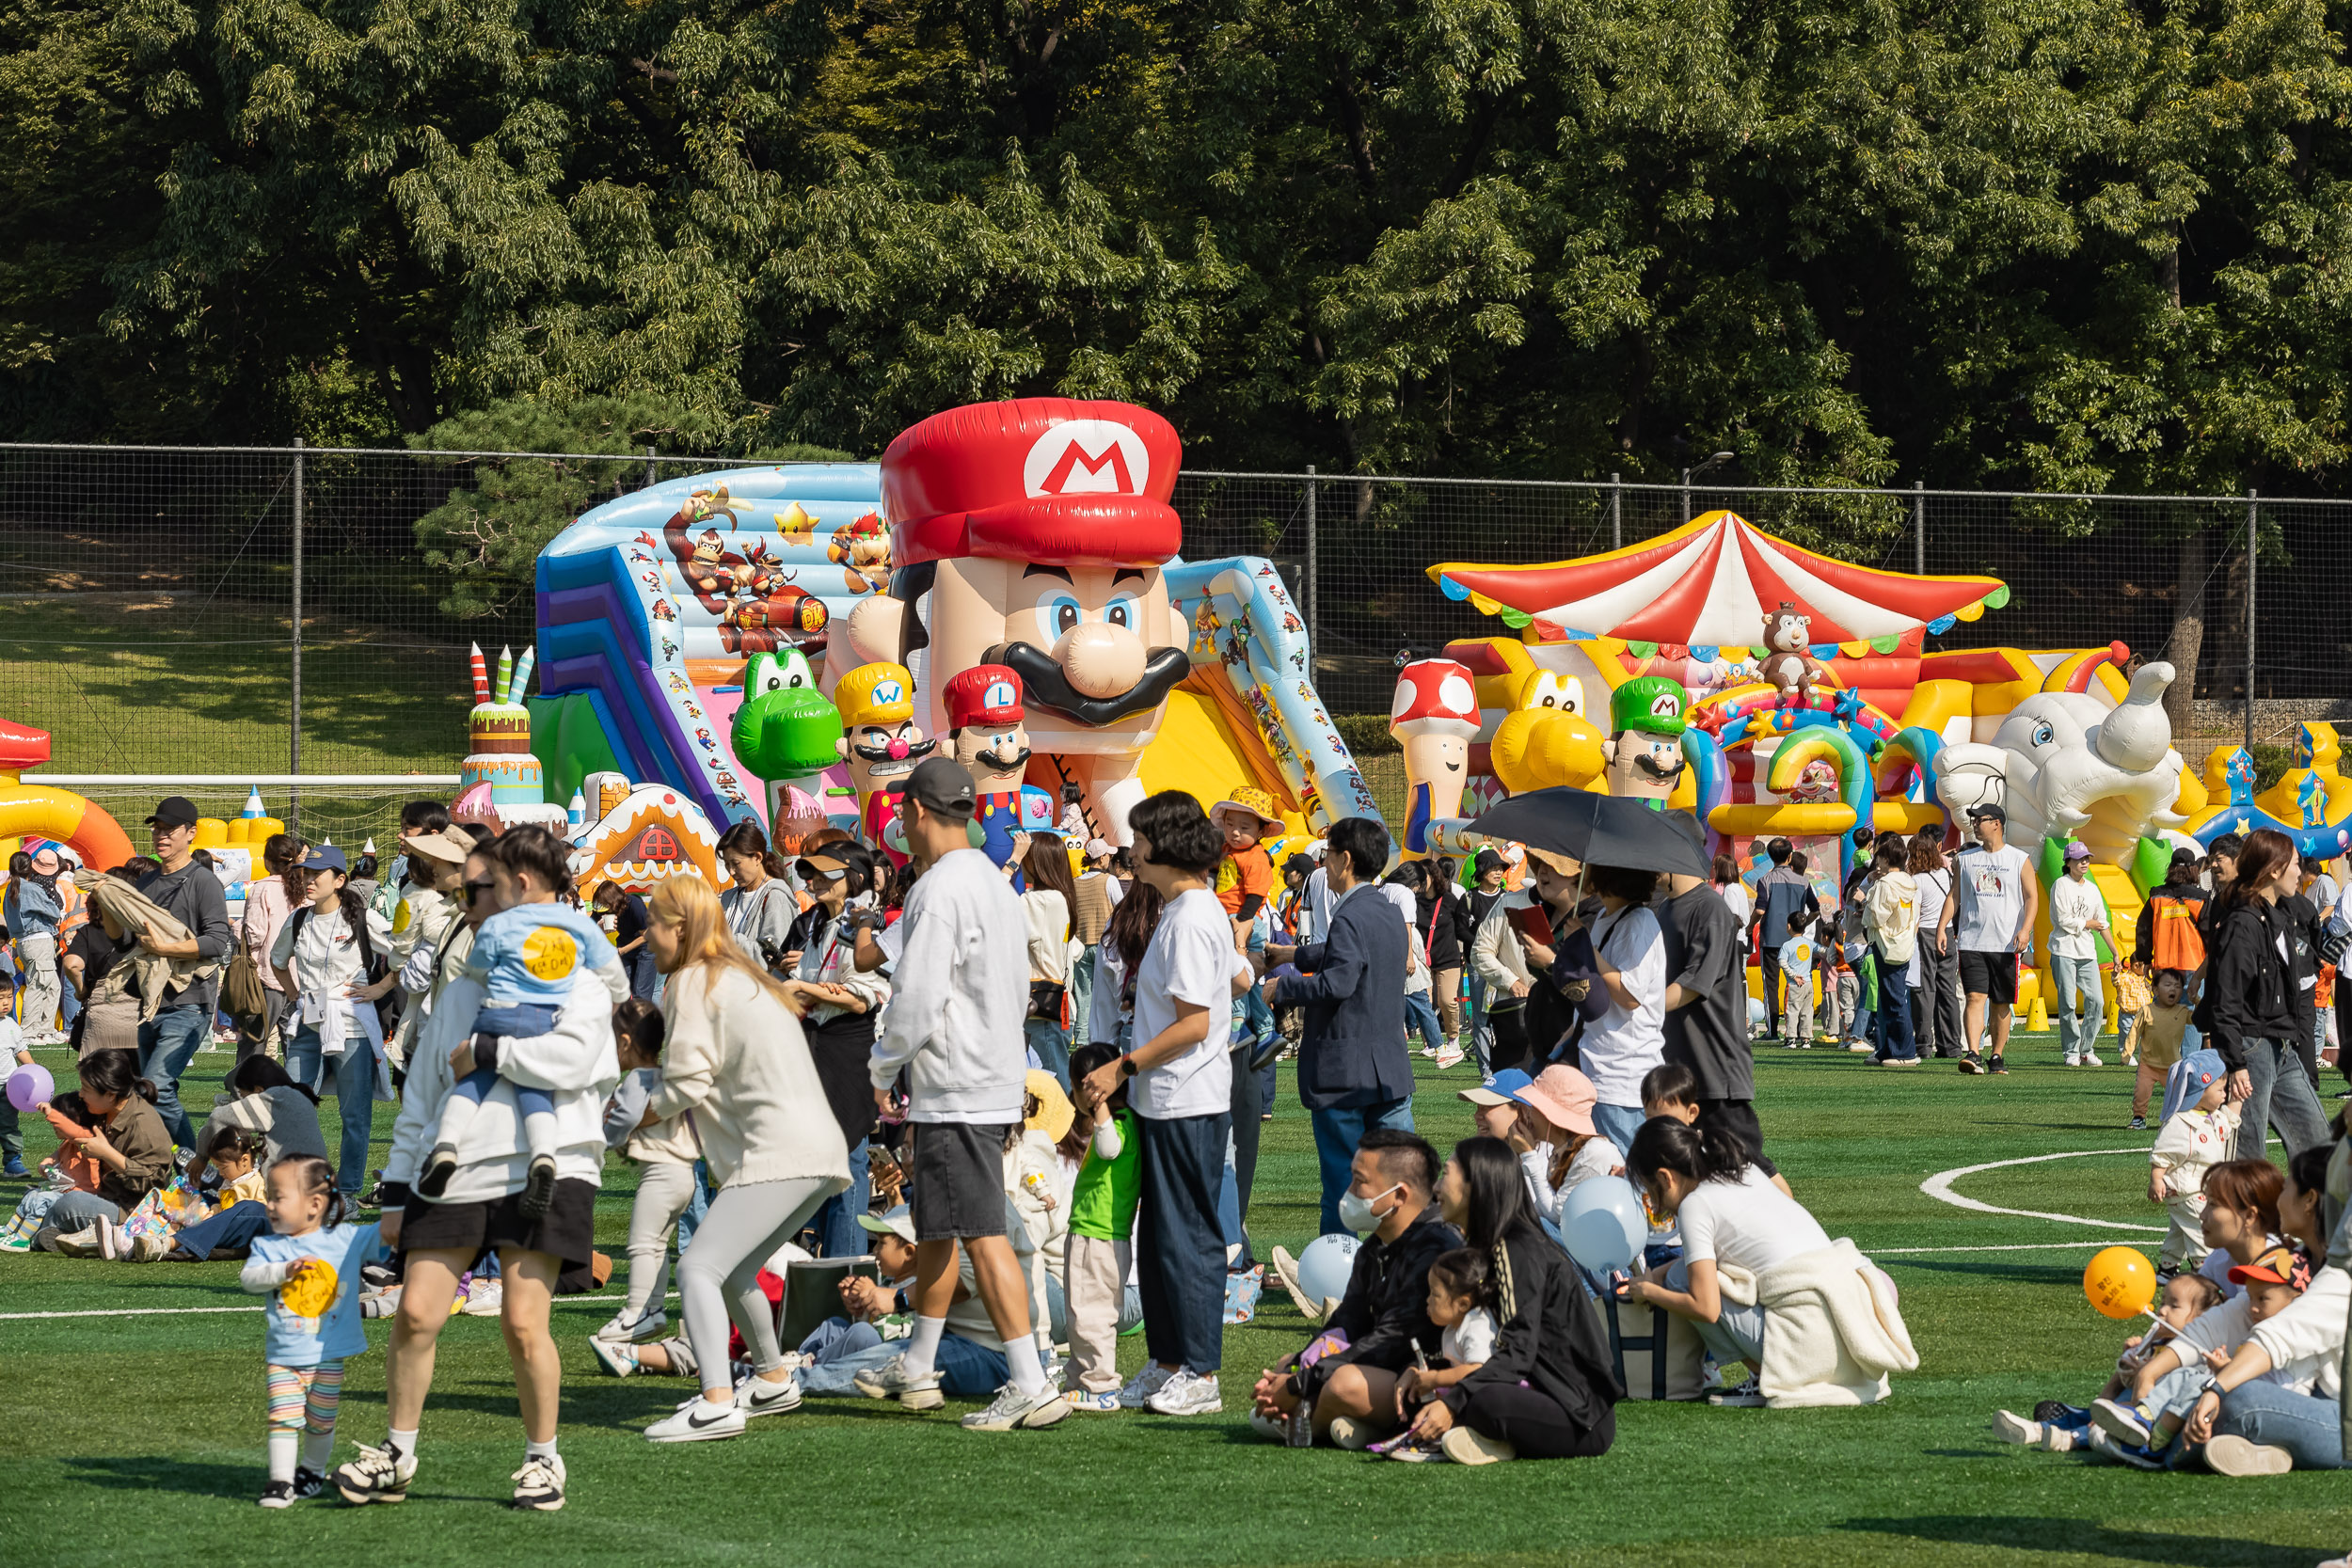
(1245, 879)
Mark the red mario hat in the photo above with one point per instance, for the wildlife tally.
(1050, 480)
(985, 695)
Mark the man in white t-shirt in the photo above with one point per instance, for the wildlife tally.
(1989, 916)
(1179, 1080)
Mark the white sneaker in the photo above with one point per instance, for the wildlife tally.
(757, 1397)
(700, 1421)
(2091, 1058)
(1346, 1431)
(1863, 1046)
(645, 1331)
(890, 1381)
(111, 1244)
(1088, 1402)
(1429, 1050)
(1464, 1447)
(1187, 1394)
(2227, 1455)
(539, 1484)
(618, 1357)
(484, 1299)
(2010, 1427)
(1141, 1388)
(81, 1244)
(1012, 1409)
(2074, 1060)
(1450, 1057)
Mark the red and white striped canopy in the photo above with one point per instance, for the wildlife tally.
(1712, 582)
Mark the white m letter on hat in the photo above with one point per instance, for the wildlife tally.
(1080, 457)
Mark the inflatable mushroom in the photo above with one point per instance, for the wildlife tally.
(1433, 716)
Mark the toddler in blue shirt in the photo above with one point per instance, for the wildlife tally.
(527, 957)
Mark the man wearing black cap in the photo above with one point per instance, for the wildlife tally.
(1990, 916)
(190, 894)
(961, 991)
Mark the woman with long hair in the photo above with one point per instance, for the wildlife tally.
(1936, 1002)
(2257, 957)
(738, 1060)
(1548, 1389)
(128, 1141)
(1125, 937)
(323, 953)
(760, 908)
(1049, 904)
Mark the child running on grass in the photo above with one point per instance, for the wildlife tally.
(2162, 1035)
(2062, 1428)
(309, 1270)
(2198, 1127)
(1461, 1302)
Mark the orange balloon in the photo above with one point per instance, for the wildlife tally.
(2120, 1282)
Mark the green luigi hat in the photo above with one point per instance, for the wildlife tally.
(1650, 704)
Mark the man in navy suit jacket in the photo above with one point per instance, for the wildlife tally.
(1354, 1071)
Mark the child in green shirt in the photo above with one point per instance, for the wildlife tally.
(1095, 1252)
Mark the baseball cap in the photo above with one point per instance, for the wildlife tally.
(1501, 1091)
(2078, 851)
(174, 811)
(2275, 1267)
(941, 783)
(1988, 813)
(326, 857)
(1097, 848)
(899, 1222)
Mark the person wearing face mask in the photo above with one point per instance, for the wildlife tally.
(1349, 1396)
(843, 1004)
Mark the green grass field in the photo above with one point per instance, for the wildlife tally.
(137, 1438)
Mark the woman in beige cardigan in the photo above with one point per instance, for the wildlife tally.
(737, 1067)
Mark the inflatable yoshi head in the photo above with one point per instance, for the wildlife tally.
(785, 729)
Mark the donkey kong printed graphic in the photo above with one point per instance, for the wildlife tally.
(749, 593)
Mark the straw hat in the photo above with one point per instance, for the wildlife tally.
(1053, 1111)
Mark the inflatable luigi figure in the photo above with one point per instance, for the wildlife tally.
(1645, 745)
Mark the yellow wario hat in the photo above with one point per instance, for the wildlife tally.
(875, 694)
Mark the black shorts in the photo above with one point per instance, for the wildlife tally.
(566, 1232)
(958, 1176)
(1990, 974)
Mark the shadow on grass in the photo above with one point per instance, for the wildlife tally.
(2076, 1535)
(236, 1483)
(2035, 1273)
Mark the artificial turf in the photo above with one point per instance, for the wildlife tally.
(137, 1439)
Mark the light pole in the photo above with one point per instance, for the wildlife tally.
(1688, 474)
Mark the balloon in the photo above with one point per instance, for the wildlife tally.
(29, 1084)
(2120, 1282)
(1757, 1017)
(1602, 1223)
(1324, 1267)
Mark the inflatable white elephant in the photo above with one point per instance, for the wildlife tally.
(2062, 763)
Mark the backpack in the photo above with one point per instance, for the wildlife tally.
(243, 994)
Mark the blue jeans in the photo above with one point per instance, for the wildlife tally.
(72, 1214)
(481, 1079)
(233, 1228)
(1082, 995)
(1338, 1129)
(696, 1206)
(1618, 1123)
(167, 1042)
(2310, 1429)
(355, 1090)
(2079, 984)
(1481, 1028)
(1737, 1335)
(1051, 1042)
(1895, 1041)
(2282, 1096)
(835, 1224)
(1421, 1016)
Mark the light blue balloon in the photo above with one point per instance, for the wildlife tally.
(1602, 1223)
(1324, 1265)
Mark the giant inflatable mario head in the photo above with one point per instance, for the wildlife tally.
(1032, 534)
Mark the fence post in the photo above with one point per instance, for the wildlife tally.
(1314, 635)
(1685, 495)
(293, 744)
(2253, 527)
(649, 478)
(1617, 512)
(1919, 526)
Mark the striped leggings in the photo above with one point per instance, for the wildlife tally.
(299, 1392)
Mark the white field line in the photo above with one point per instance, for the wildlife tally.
(193, 1311)
(1939, 1187)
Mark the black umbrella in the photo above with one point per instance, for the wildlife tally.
(1599, 830)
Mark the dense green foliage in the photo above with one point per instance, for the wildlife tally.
(2057, 242)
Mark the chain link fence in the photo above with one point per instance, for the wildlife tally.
(273, 610)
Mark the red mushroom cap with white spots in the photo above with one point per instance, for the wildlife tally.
(1435, 696)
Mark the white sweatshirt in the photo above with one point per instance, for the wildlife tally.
(2306, 1341)
(2192, 1143)
(575, 1062)
(960, 991)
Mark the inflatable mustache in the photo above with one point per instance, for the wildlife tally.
(1648, 763)
(1045, 685)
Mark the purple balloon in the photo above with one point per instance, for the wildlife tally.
(29, 1084)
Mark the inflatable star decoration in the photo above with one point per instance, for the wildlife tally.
(1847, 706)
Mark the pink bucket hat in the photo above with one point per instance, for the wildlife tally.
(1563, 1097)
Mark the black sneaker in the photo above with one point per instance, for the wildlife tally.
(2138, 1124)
(1998, 1068)
(439, 1168)
(2060, 1412)
(308, 1482)
(539, 1484)
(539, 1193)
(1970, 1066)
(377, 1475)
(277, 1493)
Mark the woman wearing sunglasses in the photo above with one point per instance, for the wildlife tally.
(839, 1008)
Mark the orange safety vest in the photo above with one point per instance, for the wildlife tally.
(2173, 936)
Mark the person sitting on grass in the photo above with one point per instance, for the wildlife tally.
(2140, 1432)
(1559, 1145)
(66, 1171)
(1751, 1254)
(2241, 1218)
(2060, 1426)
(234, 1155)
(1346, 1394)
(262, 1100)
(127, 1138)
(1461, 1302)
